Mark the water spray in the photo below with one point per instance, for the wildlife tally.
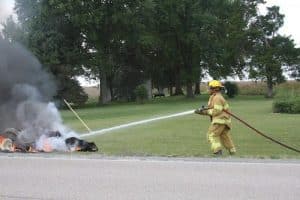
(103, 131)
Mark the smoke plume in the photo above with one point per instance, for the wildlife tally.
(26, 90)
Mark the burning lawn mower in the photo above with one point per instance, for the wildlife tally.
(27, 103)
(11, 141)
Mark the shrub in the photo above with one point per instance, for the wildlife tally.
(288, 106)
(282, 107)
(287, 98)
(231, 89)
(141, 93)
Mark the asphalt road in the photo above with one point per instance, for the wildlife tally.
(108, 178)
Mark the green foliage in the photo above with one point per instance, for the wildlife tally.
(214, 34)
(171, 42)
(70, 90)
(288, 106)
(231, 89)
(287, 98)
(270, 50)
(141, 93)
(119, 34)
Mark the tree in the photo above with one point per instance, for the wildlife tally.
(167, 67)
(294, 67)
(114, 32)
(204, 36)
(137, 53)
(271, 51)
(173, 43)
(48, 32)
(180, 27)
(13, 31)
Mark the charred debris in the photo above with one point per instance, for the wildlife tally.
(10, 142)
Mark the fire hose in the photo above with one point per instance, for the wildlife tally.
(257, 131)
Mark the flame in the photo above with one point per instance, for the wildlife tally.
(6, 144)
(77, 148)
(14, 148)
(2, 140)
(32, 150)
(74, 148)
(47, 146)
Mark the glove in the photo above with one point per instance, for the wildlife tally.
(201, 111)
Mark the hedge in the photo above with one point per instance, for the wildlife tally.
(287, 98)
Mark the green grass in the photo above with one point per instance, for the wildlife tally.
(186, 135)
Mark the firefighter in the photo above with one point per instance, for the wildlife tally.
(219, 130)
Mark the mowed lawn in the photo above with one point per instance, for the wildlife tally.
(185, 136)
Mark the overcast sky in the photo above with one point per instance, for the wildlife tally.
(6, 8)
(290, 8)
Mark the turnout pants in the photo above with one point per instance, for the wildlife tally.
(219, 136)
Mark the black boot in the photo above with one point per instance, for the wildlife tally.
(218, 153)
(232, 151)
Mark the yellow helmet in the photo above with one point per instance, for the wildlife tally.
(215, 84)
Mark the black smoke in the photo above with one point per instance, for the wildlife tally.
(25, 90)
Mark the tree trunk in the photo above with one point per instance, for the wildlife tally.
(171, 90)
(189, 78)
(189, 89)
(110, 86)
(197, 88)
(269, 88)
(105, 95)
(178, 89)
(148, 86)
(160, 90)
